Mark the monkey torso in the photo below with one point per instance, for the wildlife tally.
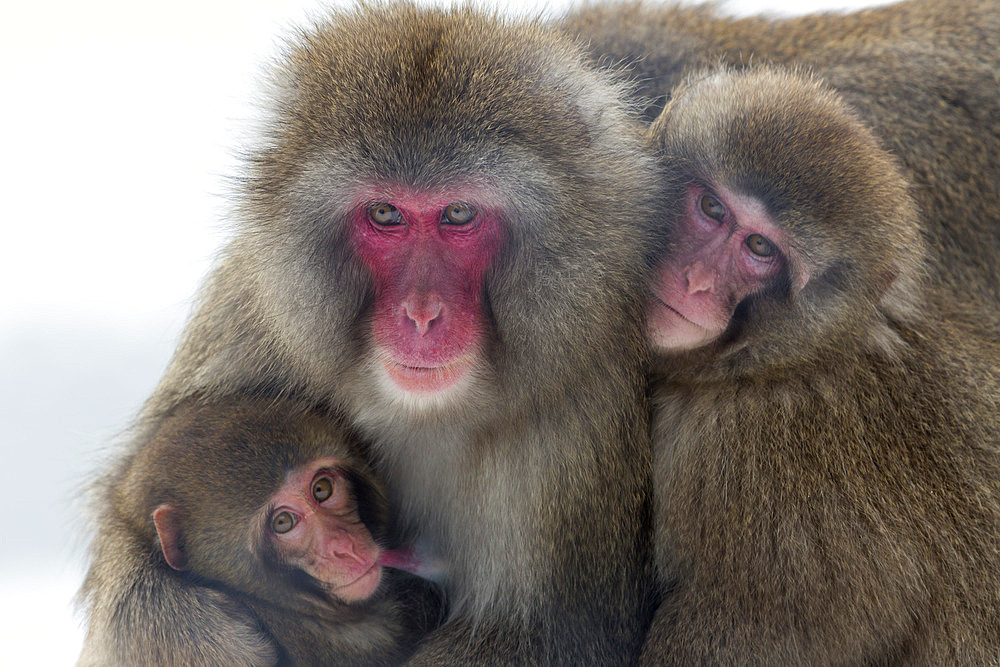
(848, 511)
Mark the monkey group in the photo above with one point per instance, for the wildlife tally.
(690, 359)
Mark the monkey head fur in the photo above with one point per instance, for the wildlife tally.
(922, 74)
(852, 243)
(394, 96)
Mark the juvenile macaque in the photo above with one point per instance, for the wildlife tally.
(921, 73)
(274, 506)
(441, 235)
(826, 434)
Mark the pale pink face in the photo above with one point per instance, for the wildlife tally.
(428, 252)
(315, 526)
(727, 247)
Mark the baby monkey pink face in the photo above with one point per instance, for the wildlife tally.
(315, 525)
(726, 247)
(428, 252)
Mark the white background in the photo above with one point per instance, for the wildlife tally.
(118, 122)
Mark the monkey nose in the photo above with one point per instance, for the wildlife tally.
(423, 314)
(346, 546)
(699, 278)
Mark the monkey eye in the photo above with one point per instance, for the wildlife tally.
(458, 213)
(322, 488)
(712, 207)
(760, 246)
(385, 214)
(282, 522)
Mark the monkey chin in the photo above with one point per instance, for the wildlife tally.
(361, 588)
(421, 388)
(669, 331)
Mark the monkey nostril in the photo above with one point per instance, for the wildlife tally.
(698, 279)
(423, 315)
(346, 547)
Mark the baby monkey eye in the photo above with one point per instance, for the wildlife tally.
(385, 214)
(760, 246)
(458, 213)
(282, 522)
(712, 207)
(322, 489)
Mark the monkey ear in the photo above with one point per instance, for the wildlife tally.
(168, 528)
(801, 272)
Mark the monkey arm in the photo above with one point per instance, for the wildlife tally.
(144, 613)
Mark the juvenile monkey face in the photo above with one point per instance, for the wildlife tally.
(314, 525)
(727, 247)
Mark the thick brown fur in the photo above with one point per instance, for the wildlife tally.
(535, 485)
(827, 473)
(219, 465)
(924, 74)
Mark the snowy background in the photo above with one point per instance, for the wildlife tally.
(118, 122)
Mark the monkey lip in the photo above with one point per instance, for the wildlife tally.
(426, 379)
(361, 588)
(677, 312)
(670, 330)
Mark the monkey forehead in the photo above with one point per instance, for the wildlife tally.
(408, 91)
(301, 476)
(426, 199)
(786, 138)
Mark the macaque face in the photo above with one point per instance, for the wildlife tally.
(727, 247)
(314, 525)
(428, 252)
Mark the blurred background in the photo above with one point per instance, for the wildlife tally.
(118, 127)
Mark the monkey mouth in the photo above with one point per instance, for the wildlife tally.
(426, 379)
(361, 588)
(670, 330)
(676, 312)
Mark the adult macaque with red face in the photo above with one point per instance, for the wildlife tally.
(442, 238)
(826, 424)
(428, 256)
(274, 506)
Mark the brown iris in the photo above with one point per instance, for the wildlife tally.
(282, 522)
(384, 214)
(459, 213)
(759, 245)
(712, 207)
(322, 489)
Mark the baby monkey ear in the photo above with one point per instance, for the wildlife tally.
(168, 527)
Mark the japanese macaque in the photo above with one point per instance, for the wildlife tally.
(441, 234)
(273, 506)
(922, 73)
(826, 435)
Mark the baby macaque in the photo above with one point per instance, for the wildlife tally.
(274, 505)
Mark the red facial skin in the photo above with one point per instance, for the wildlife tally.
(711, 268)
(428, 314)
(327, 539)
